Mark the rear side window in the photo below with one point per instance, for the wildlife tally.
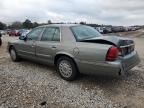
(84, 32)
(51, 34)
(56, 36)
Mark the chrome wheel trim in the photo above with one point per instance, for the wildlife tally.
(65, 68)
(13, 54)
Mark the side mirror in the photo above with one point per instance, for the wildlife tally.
(23, 38)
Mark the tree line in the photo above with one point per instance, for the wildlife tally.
(27, 24)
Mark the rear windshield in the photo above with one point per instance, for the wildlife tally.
(84, 32)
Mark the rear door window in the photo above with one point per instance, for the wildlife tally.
(51, 34)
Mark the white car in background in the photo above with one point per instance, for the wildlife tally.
(2, 32)
(25, 32)
(100, 29)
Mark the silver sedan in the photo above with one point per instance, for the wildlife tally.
(75, 49)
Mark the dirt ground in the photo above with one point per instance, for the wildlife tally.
(131, 34)
(29, 85)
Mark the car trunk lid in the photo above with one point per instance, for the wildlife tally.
(125, 45)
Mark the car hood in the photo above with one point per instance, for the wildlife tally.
(111, 40)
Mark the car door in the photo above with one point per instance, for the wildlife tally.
(49, 44)
(27, 47)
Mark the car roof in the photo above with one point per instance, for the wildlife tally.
(60, 25)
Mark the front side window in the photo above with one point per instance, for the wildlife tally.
(84, 32)
(34, 34)
(51, 34)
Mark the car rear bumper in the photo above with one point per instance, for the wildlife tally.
(116, 68)
(129, 61)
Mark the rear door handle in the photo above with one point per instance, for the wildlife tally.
(53, 47)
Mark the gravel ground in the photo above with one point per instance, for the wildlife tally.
(29, 85)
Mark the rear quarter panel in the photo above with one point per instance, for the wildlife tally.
(91, 58)
(92, 52)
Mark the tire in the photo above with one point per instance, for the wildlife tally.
(13, 55)
(67, 68)
(0, 41)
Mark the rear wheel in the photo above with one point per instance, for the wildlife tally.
(67, 68)
(14, 55)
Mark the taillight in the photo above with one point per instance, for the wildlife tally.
(112, 54)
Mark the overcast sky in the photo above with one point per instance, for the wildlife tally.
(115, 12)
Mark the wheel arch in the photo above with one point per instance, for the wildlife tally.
(58, 55)
(66, 55)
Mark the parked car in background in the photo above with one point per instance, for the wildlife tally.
(14, 33)
(107, 29)
(100, 29)
(25, 32)
(116, 29)
(21, 31)
(133, 28)
(8, 31)
(75, 49)
(3, 32)
(126, 29)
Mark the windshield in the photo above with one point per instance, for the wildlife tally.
(84, 32)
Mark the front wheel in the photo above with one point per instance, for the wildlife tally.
(13, 55)
(67, 68)
(0, 41)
